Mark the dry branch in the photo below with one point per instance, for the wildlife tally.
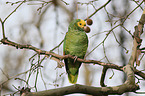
(57, 57)
(128, 86)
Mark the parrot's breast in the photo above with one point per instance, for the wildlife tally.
(76, 43)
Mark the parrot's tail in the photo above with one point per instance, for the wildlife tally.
(73, 78)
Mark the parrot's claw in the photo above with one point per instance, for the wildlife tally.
(75, 58)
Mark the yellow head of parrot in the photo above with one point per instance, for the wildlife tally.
(81, 23)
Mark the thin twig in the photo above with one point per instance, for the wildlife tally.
(103, 39)
(103, 76)
(57, 45)
(131, 12)
(98, 9)
(137, 4)
(2, 22)
(43, 79)
(14, 10)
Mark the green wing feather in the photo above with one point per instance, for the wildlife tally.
(75, 43)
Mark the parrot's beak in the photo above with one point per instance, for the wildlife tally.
(86, 29)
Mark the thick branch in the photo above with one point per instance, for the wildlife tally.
(95, 91)
(137, 41)
(128, 86)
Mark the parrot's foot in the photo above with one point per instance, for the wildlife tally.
(75, 58)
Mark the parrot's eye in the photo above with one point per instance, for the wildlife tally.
(81, 24)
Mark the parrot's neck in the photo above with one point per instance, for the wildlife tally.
(74, 30)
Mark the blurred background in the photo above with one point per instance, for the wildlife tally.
(43, 24)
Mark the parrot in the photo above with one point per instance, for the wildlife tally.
(75, 44)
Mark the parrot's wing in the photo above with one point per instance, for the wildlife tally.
(64, 43)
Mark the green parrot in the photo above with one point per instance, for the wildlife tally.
(76, 44)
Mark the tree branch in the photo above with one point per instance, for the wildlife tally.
(137, 40)
(57, 57)
(128, 86)
(99, 9)
(103, 76)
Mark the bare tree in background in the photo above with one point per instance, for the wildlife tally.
(32, 33)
